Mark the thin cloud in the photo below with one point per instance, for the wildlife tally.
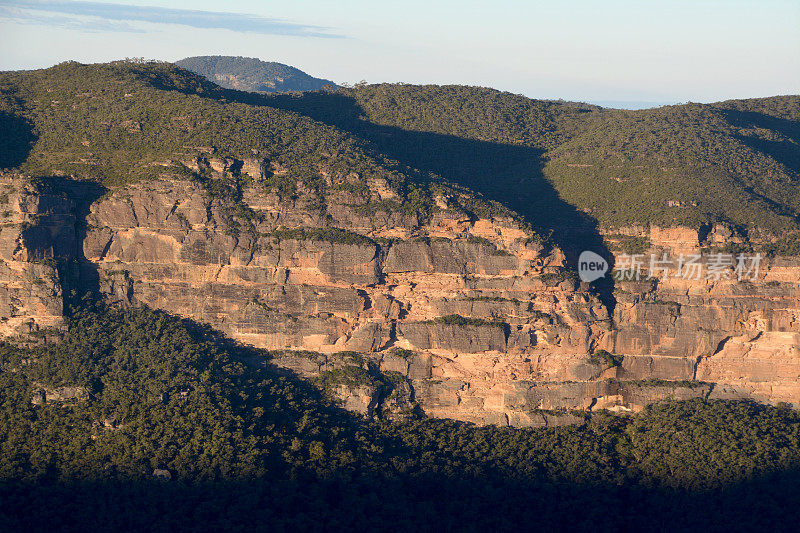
(118, 15)
(90, 24)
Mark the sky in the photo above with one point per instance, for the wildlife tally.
(621, 53)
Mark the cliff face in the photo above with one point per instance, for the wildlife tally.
(168, 245)
(36, 229)
(474, 314)
(741, 335)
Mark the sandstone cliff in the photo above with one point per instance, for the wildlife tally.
(738, 334)
(477, 316)
(36, 229)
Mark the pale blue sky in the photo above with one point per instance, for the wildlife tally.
(621, 50)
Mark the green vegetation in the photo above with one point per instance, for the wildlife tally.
(470, 112)
(480, 240)
(402, 352)
(359, 371)
(244, 445)
(788, 245)
(687, 164)
(351, 376)
(605, 358)
(249, 446)
(120, 122)
(735, 162)
(730, 248)
(682, 383)
(551, 279)
(458, 320)
(561, 165)
(333, 235)
(489, 244)
(113, 122)
(628, 244)
(484, 298)
(541, 315)
(673, 307)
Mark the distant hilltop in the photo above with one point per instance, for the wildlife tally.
(252, 74)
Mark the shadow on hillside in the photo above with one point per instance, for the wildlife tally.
(509, 174)
(16, 140)
(785, 152)
(370, 478)
(442, 502)
(400, 482)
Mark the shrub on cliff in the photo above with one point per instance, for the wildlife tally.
(458, 320)
(603, 357)
(333, 235)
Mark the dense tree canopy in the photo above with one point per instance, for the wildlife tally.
(243, 442)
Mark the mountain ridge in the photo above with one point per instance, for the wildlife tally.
(252, 74)
(732, 162)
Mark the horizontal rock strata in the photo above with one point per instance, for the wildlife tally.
(477, 315)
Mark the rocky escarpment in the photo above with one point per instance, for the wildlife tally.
(473, 303)
(36, 229)
(475, 318)
(740, 334)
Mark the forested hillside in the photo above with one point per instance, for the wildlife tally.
(168, 424)
(116, 122)
(559, 164)
(735, 162)
(120, 122)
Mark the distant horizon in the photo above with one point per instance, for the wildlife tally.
(631, 105)
(629, 53)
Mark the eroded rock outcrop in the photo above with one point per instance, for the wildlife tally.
(476, 317)
(66, 394)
